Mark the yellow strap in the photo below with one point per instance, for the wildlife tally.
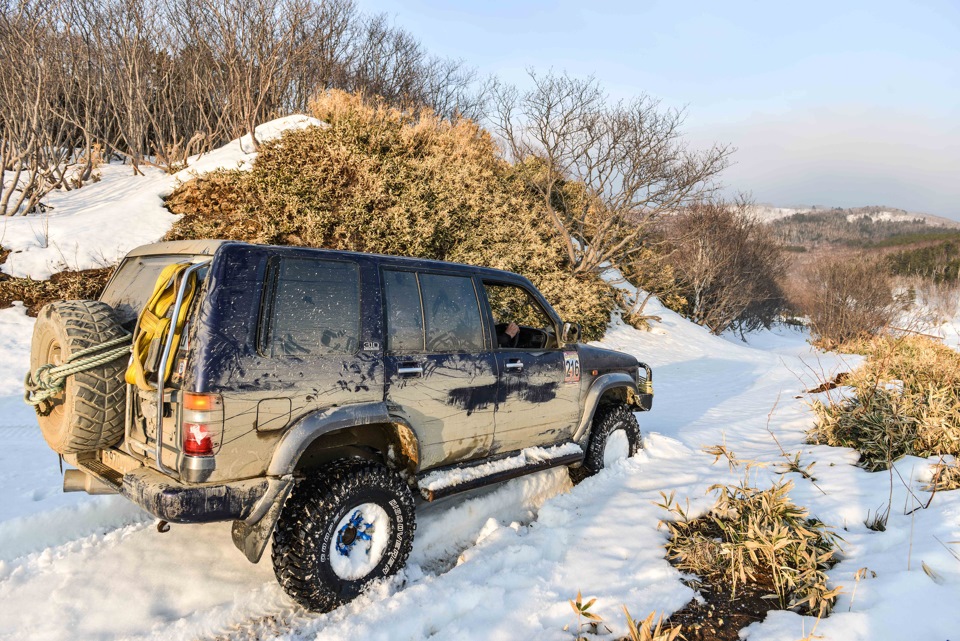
(154, 324)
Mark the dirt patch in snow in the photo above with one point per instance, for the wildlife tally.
(719, 616)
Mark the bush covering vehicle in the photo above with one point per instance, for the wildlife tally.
(316, 396)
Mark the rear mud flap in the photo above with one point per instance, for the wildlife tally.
(252, 538)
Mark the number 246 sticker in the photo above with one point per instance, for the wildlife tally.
(571, 367)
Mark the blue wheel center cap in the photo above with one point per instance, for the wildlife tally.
(355, 530)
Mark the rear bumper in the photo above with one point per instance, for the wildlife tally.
(170, 500)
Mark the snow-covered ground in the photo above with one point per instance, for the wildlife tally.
(496, 564)
(97, 225)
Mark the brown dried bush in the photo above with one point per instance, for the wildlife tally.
(67, 285)
(846, 299)
(379, 179)
(758, 538)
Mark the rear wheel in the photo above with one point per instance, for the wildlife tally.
(341, 530)
(615, 435)
(88, 414)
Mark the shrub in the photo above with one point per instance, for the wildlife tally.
(379, 179)
(67, 285)
(906, 400)
(726, 264)
(847, 299)
(759, 538)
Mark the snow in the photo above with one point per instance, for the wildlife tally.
(240, 153)
(97, 225)
(494, 564)
(886, 217)
(450, 478)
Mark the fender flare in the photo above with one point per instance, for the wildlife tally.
(252, 534)
(600, 386)
(311, 427)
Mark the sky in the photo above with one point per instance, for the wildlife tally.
(827, 103)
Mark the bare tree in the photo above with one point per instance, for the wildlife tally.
(155, 82)
(848, 297)
(603, 170)
(727, 264)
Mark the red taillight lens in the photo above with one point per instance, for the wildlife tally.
(197, 439)
(202, 423)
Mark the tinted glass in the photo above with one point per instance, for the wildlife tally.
(133, 283)
(316, 309)
(451, 313)
(404, 315)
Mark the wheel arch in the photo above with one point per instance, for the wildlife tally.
(365, 430)
(615, 387)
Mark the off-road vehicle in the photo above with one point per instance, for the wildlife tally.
(311, 395)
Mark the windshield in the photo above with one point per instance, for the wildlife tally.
(131, 285)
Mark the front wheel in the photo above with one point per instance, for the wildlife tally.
(341, 530)
(615, 435)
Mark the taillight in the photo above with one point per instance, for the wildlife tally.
(202, 423)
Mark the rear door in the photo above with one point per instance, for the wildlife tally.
(440, 368)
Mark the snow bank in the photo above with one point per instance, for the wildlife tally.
(239, 153)
(96, 225)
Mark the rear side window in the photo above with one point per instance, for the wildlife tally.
(315, 309)
(432, 313)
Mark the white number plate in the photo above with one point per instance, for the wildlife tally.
(571, 367)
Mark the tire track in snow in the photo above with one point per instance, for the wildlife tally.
(444, 532)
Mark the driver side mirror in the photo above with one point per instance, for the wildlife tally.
(571, 333)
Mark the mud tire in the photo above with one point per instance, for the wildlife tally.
(88, 414)
(305, 537)
(607, 420)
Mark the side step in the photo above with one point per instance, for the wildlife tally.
(439, 483)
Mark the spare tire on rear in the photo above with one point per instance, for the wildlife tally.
(88, 414)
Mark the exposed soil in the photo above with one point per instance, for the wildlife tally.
(719, 617)
(838, 380)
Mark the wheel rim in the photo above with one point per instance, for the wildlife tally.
(616, 448)
(361, 539)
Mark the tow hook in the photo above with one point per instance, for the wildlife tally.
(163, 526)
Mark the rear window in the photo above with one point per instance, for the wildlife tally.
(134, 281)
(315, 309)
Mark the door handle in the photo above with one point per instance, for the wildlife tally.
(410, 369)
(515, 365)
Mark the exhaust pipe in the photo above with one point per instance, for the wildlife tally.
(79, 481)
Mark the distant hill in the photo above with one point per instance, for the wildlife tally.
(875, 213)
(806, 228)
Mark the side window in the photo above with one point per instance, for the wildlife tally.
(451, 314)
(431, 312)
(315, 309)
(519, 320)
(404, 314)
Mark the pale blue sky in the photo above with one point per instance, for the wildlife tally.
(829, 103)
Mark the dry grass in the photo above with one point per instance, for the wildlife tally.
(758, 538)
(68, 285)
(905, 401)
